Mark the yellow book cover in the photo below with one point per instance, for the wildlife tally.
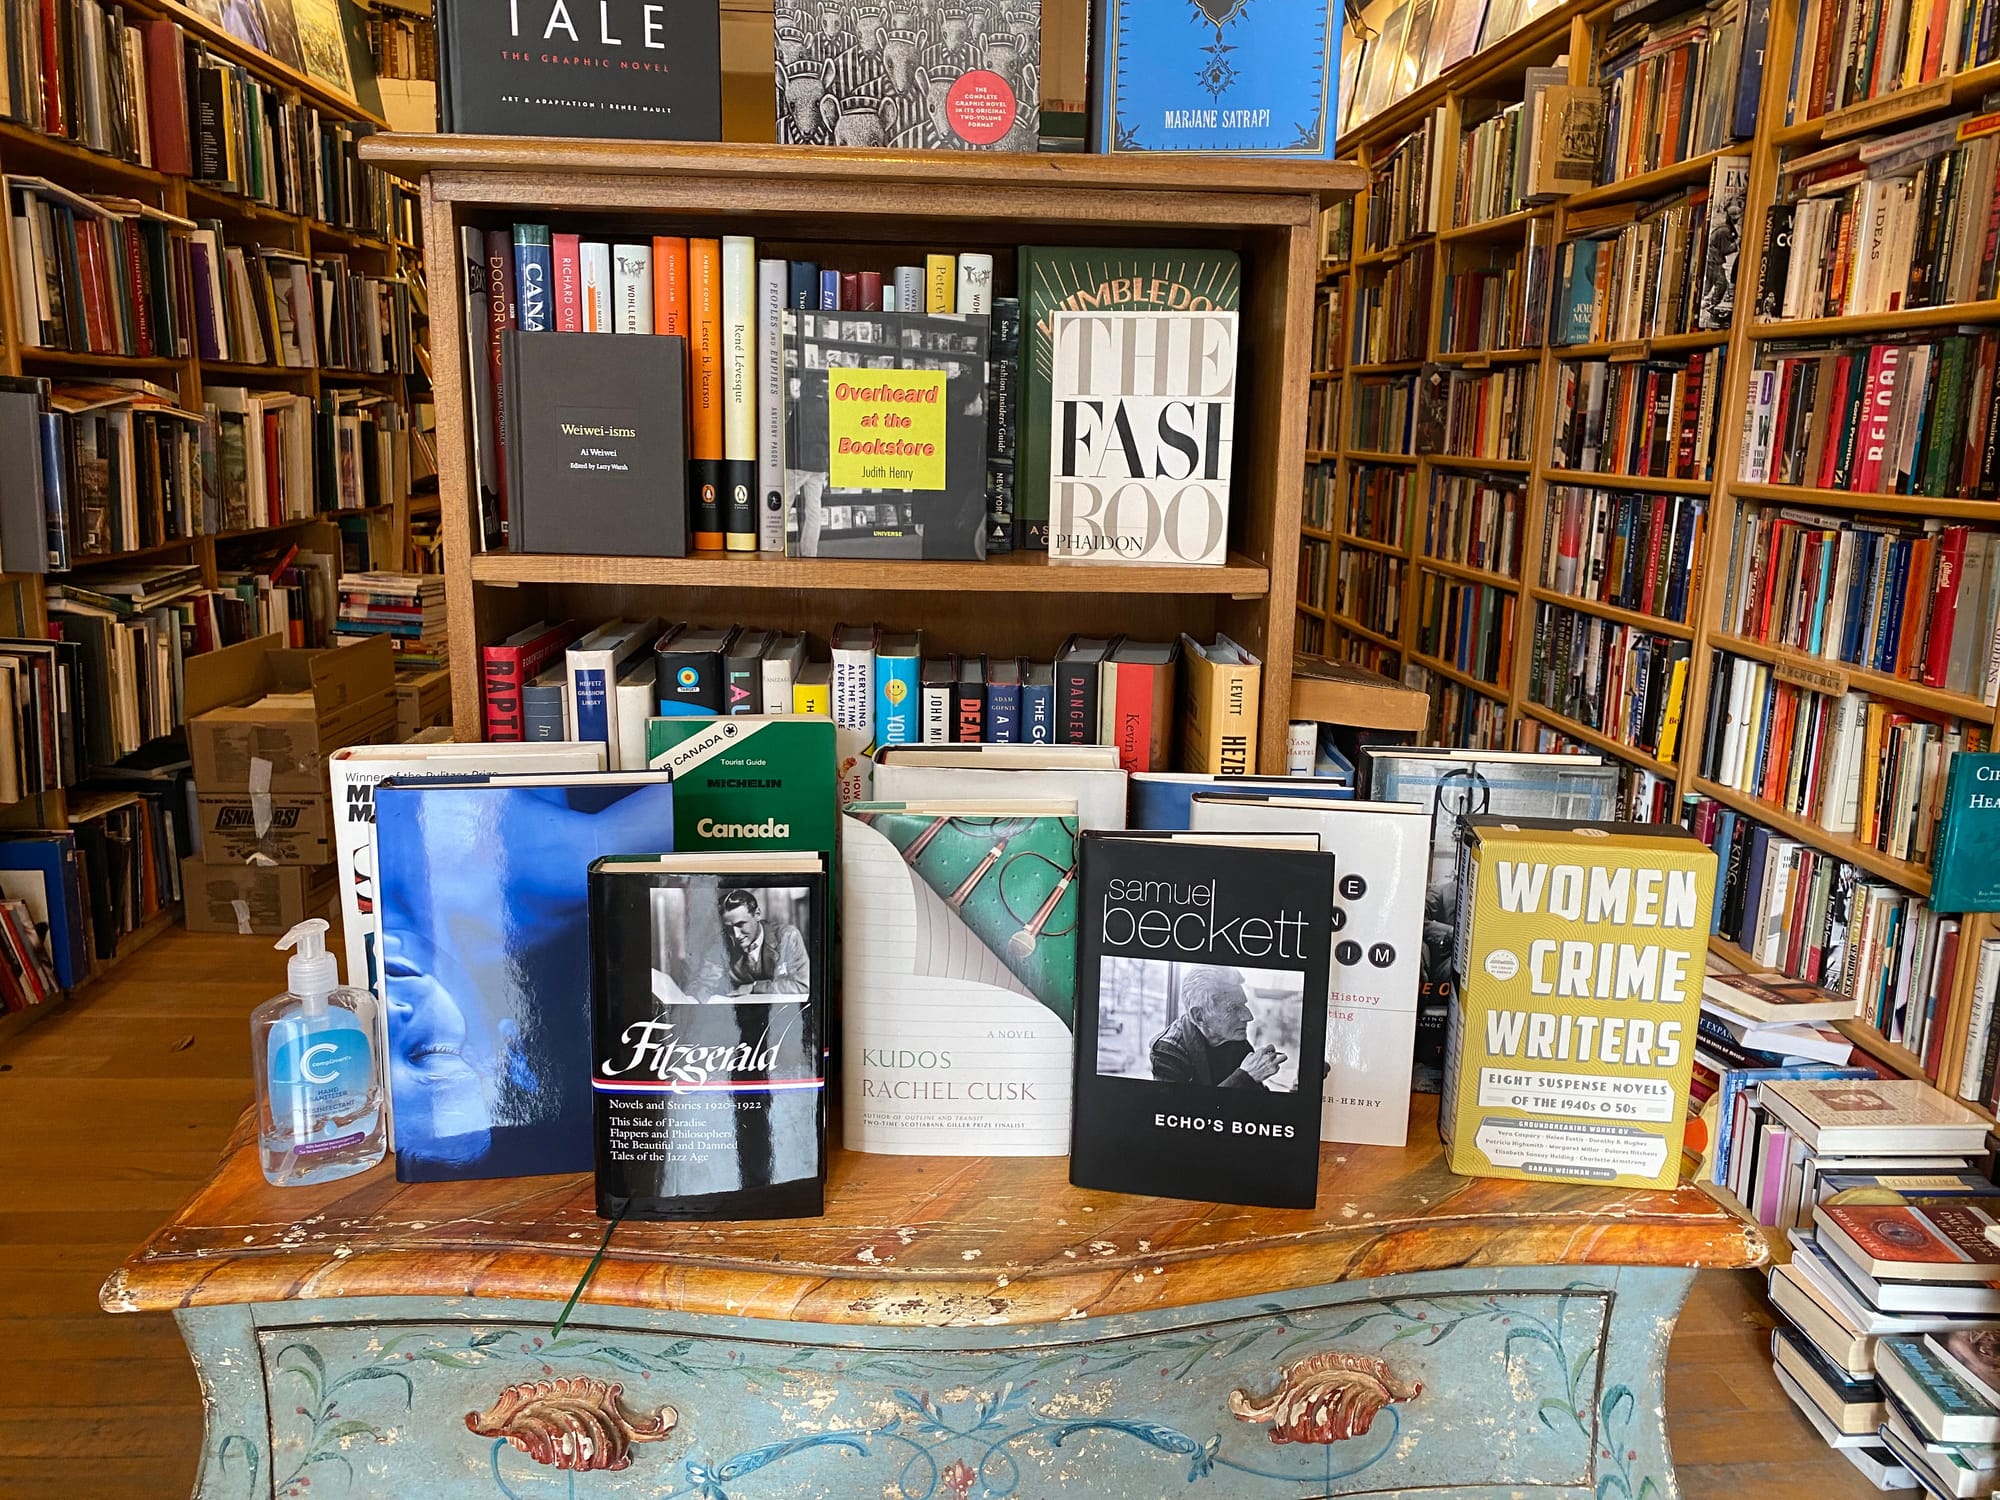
(1581, 953)
(812, 689)
(1871, 765)
(940, 283)
(1222, 686)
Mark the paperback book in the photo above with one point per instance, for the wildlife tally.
(749, 781)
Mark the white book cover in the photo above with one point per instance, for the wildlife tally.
(1381, 856)
(632, 288)
(638, 694)
(904, 776)
(739, 347)
(1301, 746)
(854, 680)
(780, 667)
(354, 773)
(975, 284)
(946, 1051)
(595, 258)
(771, 283)
(596, 664)
(937, 714)
(1144, 406)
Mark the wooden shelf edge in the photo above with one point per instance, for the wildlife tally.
(1901, 505)
(1368, 544)
(1638, 620)
(1910, 877)
(1528, 708)
(1863, 679)
(1881, 322)
(1464, 679)
(1587, 480)
(14, 1023)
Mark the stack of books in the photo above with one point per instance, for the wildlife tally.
(1890, 1281)
(406, 607)
(1889, 1267)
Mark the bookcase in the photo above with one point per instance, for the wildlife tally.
(74, 167)
(1452, 570)
(807, 199)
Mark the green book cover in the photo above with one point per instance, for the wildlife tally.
(749, 781)
(1965, 873)
(1066, 276)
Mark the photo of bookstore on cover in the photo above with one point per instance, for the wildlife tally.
(1200, 1024)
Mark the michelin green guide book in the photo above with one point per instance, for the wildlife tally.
(749, 781)
(1066, 277)
(1965, 875)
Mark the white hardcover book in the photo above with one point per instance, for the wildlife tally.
(937, 713)
(1301, 746)
(354, 773)
(739, 347)
(909, 284)
(1755, 465)
(594, 256)
(596, 665)
(771, 282)
(854, 680)
(1965, 630)
(975, 284)
(1381, 863)
(1985, 985)
(632, 288)
(919, 773)
(780, 668)
(1732, 723)
(1781, 863)
(638, 695)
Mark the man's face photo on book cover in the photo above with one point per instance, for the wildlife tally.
(1202, 1024)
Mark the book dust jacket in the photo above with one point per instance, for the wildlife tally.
(1581, 953)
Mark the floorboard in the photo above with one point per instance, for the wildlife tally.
(112, 1111)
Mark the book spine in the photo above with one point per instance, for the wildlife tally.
(854, 689)
(632, 288)
(770, 406)
(739, 391)
(897, 700)
(499, 318)
(968, 712)
(910, 294)
(1038, 713)
(940, 284)
(545, 712)
(1076, 702)
(1003, 713)
(801, 285)
(705, 450)
(870, 287)
(568, 272)
(829, 291)
(974, 285)
(670, 285)
(590, 700)
(501, 670)
(531, 277)
(594, 256)
(811, 697)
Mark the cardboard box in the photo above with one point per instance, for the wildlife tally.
(1332, 692)
(260, 705)
(422, 699)
(265, 899)
(285, 828)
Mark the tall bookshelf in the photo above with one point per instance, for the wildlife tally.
(1571, 32)
(25, 151)
(793, 199)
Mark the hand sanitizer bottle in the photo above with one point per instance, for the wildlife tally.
(319, 1083)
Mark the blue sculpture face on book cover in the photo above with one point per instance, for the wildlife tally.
(1236, 77)
(483, 893)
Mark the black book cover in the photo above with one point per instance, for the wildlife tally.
(596, 434)
(885, 434)
(689, 671)
(1774, 273)
(708, 1006)
(650, 71)
(1201, 1020)
(968, 702)
(1078, 666)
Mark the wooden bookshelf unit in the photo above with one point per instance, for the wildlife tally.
(1266, 211)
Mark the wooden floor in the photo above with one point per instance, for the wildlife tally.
(111, 1111)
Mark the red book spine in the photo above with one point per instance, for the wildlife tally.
(166, 98)
(1132, 717)
(871, 291)
(499, 318)
(502, 678)
(142, 306)
(850, 289)
(1830, 455)
(569, 293)
(1881, 399)
(96, 315)
(1944, 605)
(52, 81)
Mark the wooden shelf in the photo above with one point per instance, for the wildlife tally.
(1369, 456)
(1587, 479)
(1865, 679)
(1010, 573)
(1911, 877)
(1366, 632)
(1863, 1035)
(1901, 505)
(1463, 678)
(1640, 348)
(47, 153)
(35, 354)
(1657, 624)
(1470, 461)
(1504, 227)
(1394, 252)
(1962, 87)
(1369, 544)
(1388, 367)
(1660, 180)
(256, 372)
(13, 1023)
(1323, 375)
(1882, 322)
(1477, 357)
(1597, 740)
(1322, 455)
(1470, 574)
(1317, 533)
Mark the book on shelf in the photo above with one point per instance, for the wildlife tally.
(1845, 52)
(1642, 270)
(1406, 187)
(1896, 1115)
(1622, 681)
(1963, 878)
(1626, 548)
(1497, 298)
(1469, 626)
(1656, 418)
(1676, 88)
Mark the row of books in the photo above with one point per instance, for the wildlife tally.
(1625, 548)
(1459, 715)
(1316, 504)
(1979, 1064)
(1851, 763)
(1368, 588)
(1404, 188)
(1385, 411)
(1470, 626)
(1392, 316)
(1650, 269)
(1478, 414)
(403, 46)
(1378, 501)
(39, 745)
(97, 275)
(1315, 569)
(1624, 682)
(1920, 602)
(1416, 43)
(1502, 304)
(555, 681)
(1474, 520)
(134, 86)
(1679, 87)
(1845, 51)
(1323, 416)
(1890, 417)
(1653, 419)
(1886, 223)
(1329, 339)
(1521, 154)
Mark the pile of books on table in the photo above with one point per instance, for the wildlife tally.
(408, 608)
(1891, 1344)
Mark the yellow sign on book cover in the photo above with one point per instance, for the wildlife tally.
(1581, 952)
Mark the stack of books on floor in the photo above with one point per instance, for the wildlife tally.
(1889, 1295)
(406, 607)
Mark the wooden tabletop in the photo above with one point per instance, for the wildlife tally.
(925, 1241)
(412, 155)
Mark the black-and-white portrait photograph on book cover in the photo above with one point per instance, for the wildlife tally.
(919, 75)
(749, 945)
(1202, 1024)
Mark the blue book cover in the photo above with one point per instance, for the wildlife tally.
(1225, 77)
(829, 291)
(1163, 801)
(532, 277)
(1750, 70)
(1965, 873)
(482, 892)
(1581, 292)
(1038, 712)
(802, 286)
(1003, 707)
(593, 704)
(1953, 1396)
(40, 869)
(898, 699)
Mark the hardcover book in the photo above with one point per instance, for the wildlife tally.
(1380, 852)
(749, 781)
(1163, 801)
(1219, 707)
(595, 446)
(1919, 1239)
(1143, 416)
(485, 935)
(690, 672)
(1086, 775)
(958, 943)
(1201, 1018)
(1051, 278)
(1965, 870)
(1889, 1116)
(1222, 79)
(635, 71)
(1946, 1409)
(709, 1025)
(1579, 958)
(919, 78)
(1574, 788)
(885, 435)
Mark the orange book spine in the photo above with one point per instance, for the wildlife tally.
(670, 285)
(705, 374)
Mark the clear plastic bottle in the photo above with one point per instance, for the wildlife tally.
(319, 1079)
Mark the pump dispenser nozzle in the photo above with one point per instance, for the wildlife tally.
(312, 973)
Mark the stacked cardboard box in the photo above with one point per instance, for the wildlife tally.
(262, 721)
